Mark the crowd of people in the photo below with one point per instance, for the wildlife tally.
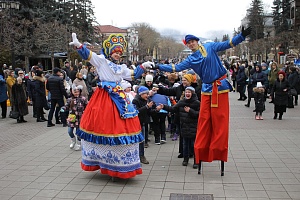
(113, 108)
(265, 81)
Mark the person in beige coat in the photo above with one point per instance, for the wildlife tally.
(80, 81)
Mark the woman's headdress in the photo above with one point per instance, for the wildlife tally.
(114, 43)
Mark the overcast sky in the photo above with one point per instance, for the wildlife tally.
(203, 18)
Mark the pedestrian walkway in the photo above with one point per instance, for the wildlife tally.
(264, 163)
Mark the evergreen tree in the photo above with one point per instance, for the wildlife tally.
(256, 20)
(281, 15)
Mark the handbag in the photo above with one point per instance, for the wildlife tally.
(14, 114)
(293, 92)
(71, 118)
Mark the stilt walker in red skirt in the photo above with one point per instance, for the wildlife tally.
(213, 123)
(110, 128)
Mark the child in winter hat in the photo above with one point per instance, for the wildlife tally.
(143, 90)
(149, 77)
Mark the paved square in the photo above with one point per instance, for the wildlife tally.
(263, 163)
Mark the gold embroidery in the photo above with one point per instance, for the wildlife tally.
(173, 68)
(132, 74)
(230, 42)
(90, 56)
(202, 50)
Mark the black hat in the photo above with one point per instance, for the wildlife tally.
(39, 73)
(55, 70)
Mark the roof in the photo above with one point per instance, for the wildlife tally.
(111, 29)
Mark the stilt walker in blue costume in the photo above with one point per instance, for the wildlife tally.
(110, 128)
(213, 123)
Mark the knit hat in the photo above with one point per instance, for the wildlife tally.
(149, 77)
(125, 84)
(189, 77)
(191, 72)
(77, 87)
(191, 89)
(143, 90)
(281, 72)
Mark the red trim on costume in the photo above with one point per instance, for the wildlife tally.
(141, 66)
(112, 173)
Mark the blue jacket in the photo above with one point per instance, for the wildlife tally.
(206, 63)
(3, 89)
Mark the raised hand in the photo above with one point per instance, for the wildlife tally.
(75, 41)
(148, 65)
(246, 32)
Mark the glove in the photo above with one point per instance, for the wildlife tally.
(75, 41)
(148, 65)
(247, 31)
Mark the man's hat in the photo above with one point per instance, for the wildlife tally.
(189, 38)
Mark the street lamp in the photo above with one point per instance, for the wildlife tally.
(11, 5)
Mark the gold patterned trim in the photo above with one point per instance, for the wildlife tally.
(173, 68)
(219, 92)
(90, 56)
(132, 74)
(110, 135)
(230, 42)
(202, 50)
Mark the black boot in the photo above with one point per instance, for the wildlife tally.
(195, 166)
(185, 161)
(280, 116)
(275, 116)
(19, 120)
(22, 119)
(40, 120)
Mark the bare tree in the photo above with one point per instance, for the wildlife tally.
(50, 38)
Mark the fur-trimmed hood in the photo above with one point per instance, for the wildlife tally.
(259, 89)
(39, 78)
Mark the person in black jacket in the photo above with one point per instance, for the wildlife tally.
(279, 95)
(257, 76)
(40, 99)
(178, 93)
(31, 93)
(188, 110)
(92, 79)
(144, 107)
(55, 86)
(292, 79)
(241, 82)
